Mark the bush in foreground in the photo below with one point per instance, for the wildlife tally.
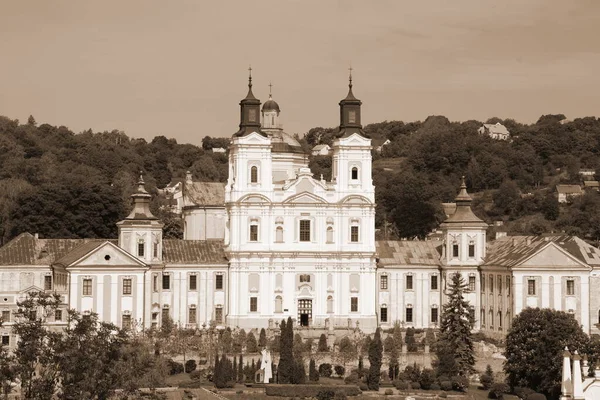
(309, 390)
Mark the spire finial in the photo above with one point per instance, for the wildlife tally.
(462, 182)
(250, 76)
(270, 88)
(350, 77)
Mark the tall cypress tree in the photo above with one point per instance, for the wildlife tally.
(235, 370)
(262, 339)
(313, 374)
(375, 358)
(241, 370)
(286, 357)
(454, 349)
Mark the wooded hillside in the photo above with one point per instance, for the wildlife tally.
(61, 184)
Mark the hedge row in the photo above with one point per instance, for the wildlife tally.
(309, 390)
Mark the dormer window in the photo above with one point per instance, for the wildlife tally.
(354, 173)
(254, 174)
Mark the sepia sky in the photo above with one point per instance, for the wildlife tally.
(179, 68)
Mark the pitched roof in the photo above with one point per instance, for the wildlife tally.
(25, 249)
(497, 128)
(511, 251)
(320, 146)
(568, 189)
(591, 184)
(409, 252)
(204, 194)
(81, 251)
(176, 251)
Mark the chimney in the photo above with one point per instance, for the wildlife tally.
(36, 236)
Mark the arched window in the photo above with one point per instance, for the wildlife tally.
(254, 174)
(491, 319)
(499, 320)
(279, 234)
(354, 173)
(329, 304)
(329, 234)
(272, 120)
(278, 304)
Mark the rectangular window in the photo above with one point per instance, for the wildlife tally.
(482, 283)
(455, 250)
(383, 282)
(5, 315)
(491, 284)
(434, 315)
(165, 315)
(166, 282)
(127, 286)
(409, 314)
(508, 285)
(471, 250)
(570, 287)
(304, 230)
(434, 282)
(253, 304)
(251, 115)
(531, 287)
(5, 340)
(383, 314)
(87, 287)
(254, 233)
(354, 234)
(141, 249)
(219, 315)
(472, 315)
(471, 283)
(126, 321)
(155, 283)
(193, 282)
(499, 284)
(409, 282)
(155, 250)
(58, 315)
(351, 116)
(192, 316)
(47, 282)
(354, 304)
(219, 282)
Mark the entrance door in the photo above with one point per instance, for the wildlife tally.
(304, 311)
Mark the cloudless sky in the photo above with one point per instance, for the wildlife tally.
(179, 68)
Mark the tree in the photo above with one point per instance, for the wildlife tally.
(251, 345)
(240, 373)
(286, 357)
(454, 349)
(7, 370)
(346, 351)
(322, 346)
(34, 353)
(409, 339)
(262, 339)
(375, 360)
(487, 378)
(534, 347)
(313, 374)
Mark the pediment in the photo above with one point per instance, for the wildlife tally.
(553, 256)
(305, 198)
(30, 289)
(254, 138)
(355, 140)
(107, 255)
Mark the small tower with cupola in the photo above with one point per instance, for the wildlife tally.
(270, 113)
(140, 233)
(351, 159)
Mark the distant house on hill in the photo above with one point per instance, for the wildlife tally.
(218, 150)
(321, 150)
(591, 185)
(495, 131)
(587, 174)
(378, 144)
(566, 192)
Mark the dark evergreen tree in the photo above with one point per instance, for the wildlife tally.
(251, 345)
(299, 375)
(322, 346)
(262, 339)
(240, 373)
(235, 370)
(454, 349)
(375, 360)
(313, 374)
(286, 358)
(361, 367)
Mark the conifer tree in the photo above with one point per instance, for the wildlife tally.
(361, 367)
(262, 339)
(234, 370)
(322, 346)
(454, 350)
(313, 374)
(375, 356)
(286, 358)
(241, 369)
(251, 346)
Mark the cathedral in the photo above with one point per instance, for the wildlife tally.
(274, 241)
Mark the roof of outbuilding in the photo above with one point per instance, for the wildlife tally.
(409, 252)
(176, 251)
(204, 194)
(568, 189)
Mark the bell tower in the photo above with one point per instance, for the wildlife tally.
(249, 111)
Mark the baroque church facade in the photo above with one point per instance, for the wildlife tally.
(275, 242)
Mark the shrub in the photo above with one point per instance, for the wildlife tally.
(446, 385)
(363, 386)
(196, 375)
(415, 385)
(340, 396)
(426, 379)
(487, 378)
(325, 370)
(325, 395)
(175, 367)
(309, 390)
(340, 370)
(460, 383)
(389, 392)
(523, 393)
(352, 379)
(498, 390)
(435, 386)
(313, 374)
(536, 396)
(401, 385)
(190, 366)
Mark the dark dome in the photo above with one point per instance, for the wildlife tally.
(270, 105)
